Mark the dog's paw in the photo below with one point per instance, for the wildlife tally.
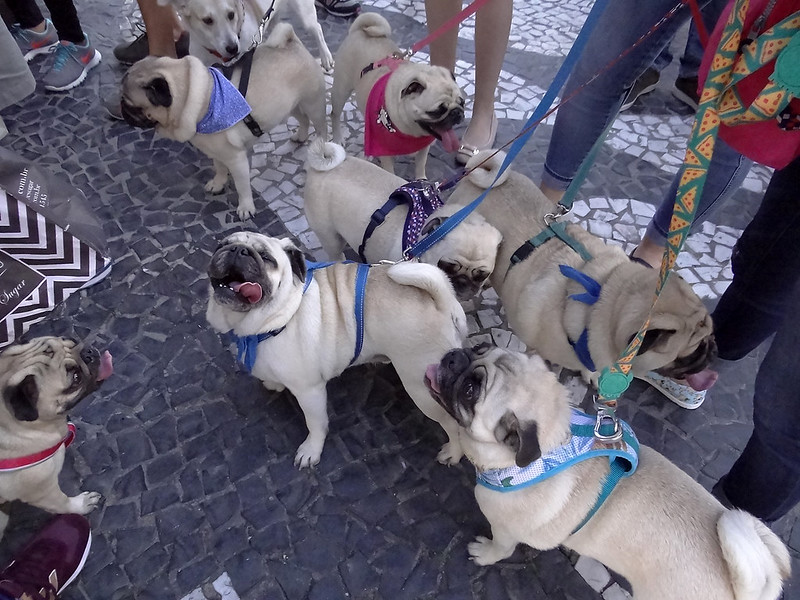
(450, 454)
(300, 135)
(483, 551)
(87, 502)
(246, 210)
(307, 454)
(327, 64)
(215, 186)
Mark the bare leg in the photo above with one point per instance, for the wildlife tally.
(650, 251)
(443, 49)
(162, 25)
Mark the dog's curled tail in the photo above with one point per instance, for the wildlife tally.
(281, 35)
(757, 559)
(372, 24)
(432, 280)
(483, 167)
(324, 156)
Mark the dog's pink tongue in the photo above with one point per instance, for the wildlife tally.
(450, 140)
(432, 373)
(106, 366)
(702, 380)
(251, 291)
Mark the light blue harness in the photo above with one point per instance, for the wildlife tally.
(247, 346)
(623, 457)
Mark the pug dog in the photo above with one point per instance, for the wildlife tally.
(342, 192)
(41, 381)
(257, 285)
(539, 299)
(173, 96)
(405, 105)
(660, 529)
(221, 30)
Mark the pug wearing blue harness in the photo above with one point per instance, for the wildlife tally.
(544, 480)
(309, 326)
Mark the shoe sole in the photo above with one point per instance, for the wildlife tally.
(91, 65)
(33, 53)
(685, 98)
(628, 103)
(654, 384)
(80, 565)
(339, 14)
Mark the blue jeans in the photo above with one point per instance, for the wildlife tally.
(764, 298)
(693, 51)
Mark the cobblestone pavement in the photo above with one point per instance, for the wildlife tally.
(194, 457)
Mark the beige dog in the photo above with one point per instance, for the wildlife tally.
(660, 529)
(536, 295)
(421, 102)
(257, 285)
(222, 29)
(41, 381)
(342, 193)
(173, 96)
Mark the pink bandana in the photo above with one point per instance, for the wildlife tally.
(381, 137)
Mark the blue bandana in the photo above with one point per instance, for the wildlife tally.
(225, 108)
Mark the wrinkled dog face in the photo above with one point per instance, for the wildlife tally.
(428, 97)
(509, 404)
(47, 377)
(146, 95)
(247, 269)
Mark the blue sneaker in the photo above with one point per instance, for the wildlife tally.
(32, 43)
(71, 64)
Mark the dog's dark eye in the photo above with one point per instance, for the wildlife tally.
(482, 348)
(75, 377)
(231, 16)
(415, 87)
(481, 274)
(208, 21)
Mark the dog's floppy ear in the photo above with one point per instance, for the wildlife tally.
(157, 92)
(523, 438)
(653, 338)
(432, 225)
(415, 87)
(22, 399)
(296, 260)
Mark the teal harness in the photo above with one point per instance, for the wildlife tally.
(623, 456)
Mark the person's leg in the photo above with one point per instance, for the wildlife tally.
(492, 26)
(65, 18)
(27, 14)
(162, 26)
(443, 48)
(766, 269)
(693, 51)
(581, 120)
(725, 175)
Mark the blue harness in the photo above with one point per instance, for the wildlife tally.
(623, 457)
(422, 198)
(247, 346)
(590, 296)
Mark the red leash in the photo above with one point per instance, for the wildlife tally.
(698, 21)
(447, 26)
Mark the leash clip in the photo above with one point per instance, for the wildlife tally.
(403, 54)
(552, 217)
(606, 416)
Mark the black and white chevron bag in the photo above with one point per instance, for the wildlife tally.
(51, 244)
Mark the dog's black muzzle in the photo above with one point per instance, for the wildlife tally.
(135, 117)
(697, 361)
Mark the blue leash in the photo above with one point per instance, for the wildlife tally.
(558, 82)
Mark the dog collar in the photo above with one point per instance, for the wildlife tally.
(590, 296)
(247, 346)
(623, 457)
(24, 462)
(381, 137)
(422, 198)
(226, 107)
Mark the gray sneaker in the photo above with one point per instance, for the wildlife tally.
(71, 63)
(340, 8)
(32, 43)
(647, 82)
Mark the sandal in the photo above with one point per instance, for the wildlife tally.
(680, 393)
(467, 151)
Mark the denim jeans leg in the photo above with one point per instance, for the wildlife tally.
(766, 270)
(726, 173)
(693, 51)
(765, 480)
(580, 121)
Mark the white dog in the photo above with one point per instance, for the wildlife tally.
(221, 30)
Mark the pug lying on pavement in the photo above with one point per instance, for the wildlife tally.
(406, 105)
(658, 528)
(41, 381)
(342, 193)
(188, 102)
(260, 285)
(550, 308)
